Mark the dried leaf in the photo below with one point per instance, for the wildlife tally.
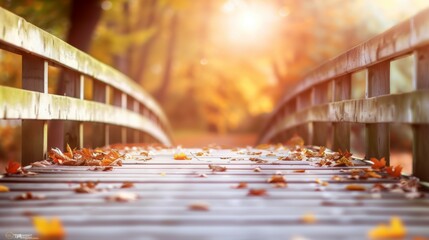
(127, 185)
(48, 229)
(299, 171)
(308, 218)
(199, 206)
(394, 171)
(12, 167)
(355, 187)
(263, 146)
(29, 196)
(396, 230)
(257, 192)
(123, 197)
(86, 187)
(217, 168)
(276, 179)
(4, 188)
(257, 169)
(258, 160)
(280, 185)
(240, 185)
(181, 156)
(378, 164)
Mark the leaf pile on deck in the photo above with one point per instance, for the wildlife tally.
(86, 157)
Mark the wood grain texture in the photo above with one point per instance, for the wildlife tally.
(167, 187)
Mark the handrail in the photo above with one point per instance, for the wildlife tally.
(308, 109)
(134, 111)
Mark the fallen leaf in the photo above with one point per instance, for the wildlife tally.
(127, 185)
(280, 185)
(378, 164)
(299, 171)
(355, 187)
(276, 179)
(86, 187)
(48, 228)
(12, 167)
(199, 206)
(122, 197)
(258, 160)
(240, 185)
(257, 192)
(308, 218)
(29, 196)
(394, 171)
(263, 146)
(217, 168)
(395, 230)
(181, 156)
(4, 188)
(257, 169)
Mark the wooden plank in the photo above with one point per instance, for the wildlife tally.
(22, 36)
(22, 104)
(421, 131)
(341, 129)
(164, 200)
(34, 132)
(377, 135)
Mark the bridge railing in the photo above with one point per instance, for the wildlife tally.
(120, 110)
(310, 111)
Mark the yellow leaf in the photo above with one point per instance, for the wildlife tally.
(4, 188)
(181, 156)
(395, 230)
(308, 218)
(48, 228)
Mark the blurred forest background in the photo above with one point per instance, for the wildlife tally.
(215, 66)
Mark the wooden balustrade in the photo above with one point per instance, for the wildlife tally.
(377, 110)
(50, 120)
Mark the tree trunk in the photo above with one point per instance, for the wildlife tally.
(169, 59)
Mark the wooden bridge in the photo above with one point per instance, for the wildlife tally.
(153, 191)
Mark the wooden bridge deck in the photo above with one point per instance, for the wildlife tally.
(314, 204)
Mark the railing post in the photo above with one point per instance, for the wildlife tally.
(421, 131)
(320, 129)
(342, 91)
(99, 129)
(377, 135)
(72, 129)
(34, 132)
(117, 132)
(303, 100)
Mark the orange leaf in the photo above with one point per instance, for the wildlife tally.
(395, 230)
(378, 164)
(48, 228)
(257, 192)
(394, 171)
(12, 167)
(355, 187)
(181, 156)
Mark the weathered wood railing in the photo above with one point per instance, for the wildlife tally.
(121, 111)
(307, 110)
